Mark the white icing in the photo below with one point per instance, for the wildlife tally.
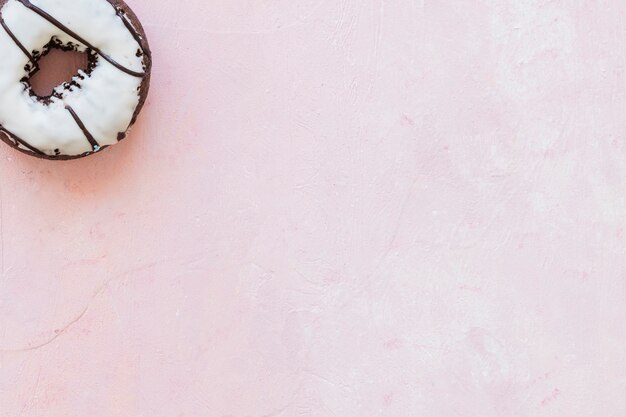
(108, 96)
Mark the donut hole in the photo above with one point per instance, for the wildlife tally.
(56, 65)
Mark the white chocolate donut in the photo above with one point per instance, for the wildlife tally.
(98, 107)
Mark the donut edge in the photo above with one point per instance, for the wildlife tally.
(144, 87)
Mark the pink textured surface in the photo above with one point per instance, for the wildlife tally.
(328, 208)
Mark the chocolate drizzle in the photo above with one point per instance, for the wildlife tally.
(71, 33)
(14, 38)
(130, 27)
(92, 141)
(20, 141)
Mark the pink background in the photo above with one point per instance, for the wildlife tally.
(335, 208)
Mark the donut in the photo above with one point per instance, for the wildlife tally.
(97, 108)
